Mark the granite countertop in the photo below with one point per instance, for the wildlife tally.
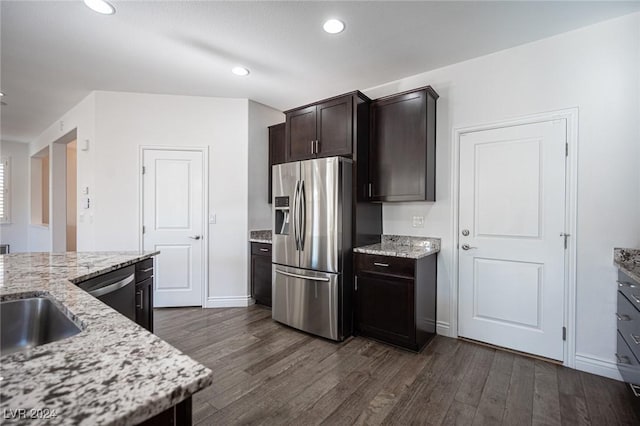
(402, 246)
(628, 260)
(113, 372)
(261, 236)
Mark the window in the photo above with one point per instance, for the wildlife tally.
(5, 188)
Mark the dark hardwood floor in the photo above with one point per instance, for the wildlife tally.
(267, 373)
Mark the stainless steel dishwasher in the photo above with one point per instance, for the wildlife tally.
(116, 289)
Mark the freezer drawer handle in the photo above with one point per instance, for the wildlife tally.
(303, 277)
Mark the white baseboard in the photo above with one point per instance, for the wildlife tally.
(228, 302)
(599, 366)
(442, 328)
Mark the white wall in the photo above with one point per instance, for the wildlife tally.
(126, 121)
(596, 69)
(15, 233)
(82, 118)
(260, 117)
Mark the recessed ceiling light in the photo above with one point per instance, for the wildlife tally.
(100, 6)
(1, 94)
(241, 71)
(333, 26)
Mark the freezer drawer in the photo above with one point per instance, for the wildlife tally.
(306, 300)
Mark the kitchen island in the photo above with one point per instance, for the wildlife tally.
(113, 372)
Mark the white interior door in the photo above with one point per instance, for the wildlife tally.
(511, 252)
(173, 218)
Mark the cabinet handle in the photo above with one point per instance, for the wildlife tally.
(636, 338)
(622, 284)
(139, 299)
(312, 148)
(623, 359)
(623, 317)
(384, 265)
(146, 270)
(317, 146)
(636, 298)
(370, 190)
(264, 249)
(635, 389)
(356, 283)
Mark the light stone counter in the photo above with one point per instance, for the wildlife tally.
(402, 246)
(113, 372)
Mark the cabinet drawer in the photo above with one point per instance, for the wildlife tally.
(628, 364)
(630, 288)
(261, 249)
(629, 323)
(144, 270)
(145, 264)
(390, 265)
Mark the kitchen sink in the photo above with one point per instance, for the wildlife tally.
(30, 322)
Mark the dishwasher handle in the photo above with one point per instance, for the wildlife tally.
(113, 287)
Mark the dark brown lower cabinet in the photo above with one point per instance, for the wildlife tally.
(178, 415)
(261, 273)
(144, 294)
(396, 299)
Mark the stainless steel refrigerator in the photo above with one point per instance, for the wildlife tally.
(312, 267)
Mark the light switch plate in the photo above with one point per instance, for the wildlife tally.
(212, 218)
(418, 221)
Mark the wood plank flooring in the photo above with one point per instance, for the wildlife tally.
(269, 374)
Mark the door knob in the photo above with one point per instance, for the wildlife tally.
(195, 237)
(467, 247)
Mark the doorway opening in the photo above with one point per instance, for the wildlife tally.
(64, 193)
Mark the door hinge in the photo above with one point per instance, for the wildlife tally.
(566, 149)
(144, 229)
(144, 169)
(566, 237)
(564, 333)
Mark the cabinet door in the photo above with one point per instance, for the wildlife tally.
(144, 304)
(385, 309)
(261, 279)
(335, 127)
(398, 155)
(301, 133)
(277, 151)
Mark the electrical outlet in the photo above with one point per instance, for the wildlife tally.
(418, 221)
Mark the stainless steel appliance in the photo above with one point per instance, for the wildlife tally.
(116, 289)
(312, 267)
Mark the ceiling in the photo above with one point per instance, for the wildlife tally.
(53, 53)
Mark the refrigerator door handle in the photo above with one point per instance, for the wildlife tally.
(303, 216)
(295, 215)
(302, 277)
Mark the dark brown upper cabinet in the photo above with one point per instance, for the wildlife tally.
(277, 152)
(323, 129)
(402, 164)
